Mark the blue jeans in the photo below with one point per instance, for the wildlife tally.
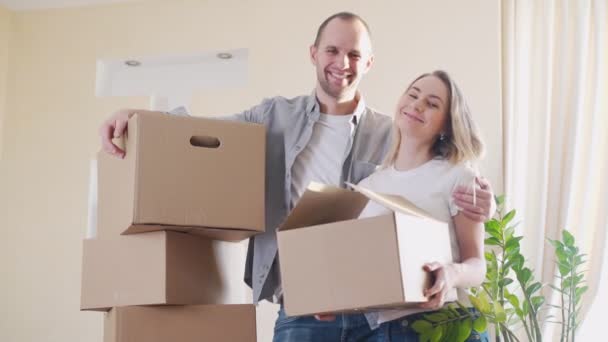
(350, 328)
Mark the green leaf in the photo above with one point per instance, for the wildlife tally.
(563, 269)
(572, 250)
(568, 238)
(421, 326)
(499, 200)
(485, 302)
(499, 313)
(426, 336)
(524, 275)
(556, 243)
(508, 217)
(561, 254)
(481, 302)
(453, 311)
(436, 317)
(451, 329)
(513, 300)
(464, 330)
(533, 288)
(578, 293)
(493, 228)
(480, 324)
(513, 243)
(437, 334)
(504, 282)
(579, 260)
(525, 308)
(518, 262)
(492, 241)
(510, 231)
(537, 302)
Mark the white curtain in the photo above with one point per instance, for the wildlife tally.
(555, 110)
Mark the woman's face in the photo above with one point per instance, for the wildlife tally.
(422, 109)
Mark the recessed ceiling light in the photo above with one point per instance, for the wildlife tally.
(224, 55)
(132, 63)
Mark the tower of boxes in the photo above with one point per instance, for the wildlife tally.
(183, 184)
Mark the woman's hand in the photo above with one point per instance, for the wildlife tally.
(444, 282)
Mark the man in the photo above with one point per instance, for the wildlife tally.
(330, 137)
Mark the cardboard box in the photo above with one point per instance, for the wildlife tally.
(333, 262)
(202, 176)
(200, 323)
(149, 269)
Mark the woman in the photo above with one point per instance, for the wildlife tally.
(435, 147)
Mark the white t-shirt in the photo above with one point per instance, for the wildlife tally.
(430, 188)
(322, 158)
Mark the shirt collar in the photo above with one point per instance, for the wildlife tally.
(313, 106)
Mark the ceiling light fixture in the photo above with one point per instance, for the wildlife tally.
(132, 63)
(224, 55)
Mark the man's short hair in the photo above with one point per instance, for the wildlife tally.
(341, 15)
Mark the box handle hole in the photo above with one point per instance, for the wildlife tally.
(204, 141)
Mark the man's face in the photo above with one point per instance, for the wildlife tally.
(343, 56)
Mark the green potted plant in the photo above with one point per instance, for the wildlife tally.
(510, 298)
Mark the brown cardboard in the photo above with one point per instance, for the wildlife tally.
(165, 182)
(333, 262)
(196, 323)
(148, 269)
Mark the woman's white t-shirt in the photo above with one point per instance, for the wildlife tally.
(430, 188)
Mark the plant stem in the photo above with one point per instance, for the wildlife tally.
(505, 333)
(528, 333)
(512, 335)
(532, 315)
(458, 318)
(563, 310)
(572, 303)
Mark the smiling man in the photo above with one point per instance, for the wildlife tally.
(330, 137)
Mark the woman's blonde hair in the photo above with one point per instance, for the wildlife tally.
(462, 142)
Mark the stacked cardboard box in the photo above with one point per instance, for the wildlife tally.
(183, 183)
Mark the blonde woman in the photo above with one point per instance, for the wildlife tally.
(435, 147)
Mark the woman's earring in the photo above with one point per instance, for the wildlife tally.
(442, 137)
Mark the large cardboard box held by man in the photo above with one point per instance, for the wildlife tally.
(203, 176)
(333, 262)
(153, 268)
(196, 323)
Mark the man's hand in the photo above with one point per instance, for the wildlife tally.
(479, 208)
(115, 127)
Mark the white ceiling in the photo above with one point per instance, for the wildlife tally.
(24, 5)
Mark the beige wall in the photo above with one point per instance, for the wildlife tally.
(52, 114)
(5, 35)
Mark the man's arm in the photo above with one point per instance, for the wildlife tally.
(114, 127)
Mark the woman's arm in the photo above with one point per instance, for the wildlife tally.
(469, 272)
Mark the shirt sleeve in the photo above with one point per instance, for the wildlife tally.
(256, 114)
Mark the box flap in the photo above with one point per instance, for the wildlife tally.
(322, 203)
(392, 202)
